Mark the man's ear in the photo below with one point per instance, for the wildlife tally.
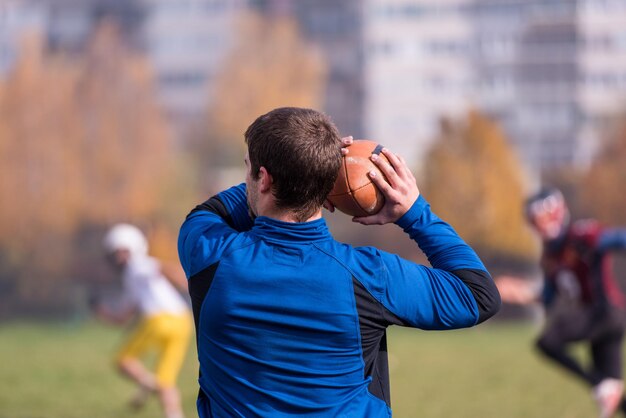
(265, 180)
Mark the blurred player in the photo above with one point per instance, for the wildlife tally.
(581, 298)
(165, 320)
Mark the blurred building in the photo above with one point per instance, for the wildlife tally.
(601, 65)
(338, 27)
(18, 18)
(526, 59)
(552, 72)
(418, 68)
(186, 41)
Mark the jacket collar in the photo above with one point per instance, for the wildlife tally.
(275, 230)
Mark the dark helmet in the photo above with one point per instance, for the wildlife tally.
(547, 199)
(547, 211)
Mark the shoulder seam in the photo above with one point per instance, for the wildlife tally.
(228, 252)
(375, 295)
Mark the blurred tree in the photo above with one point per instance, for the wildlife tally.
(474, 181)
(82, 145)
(270, 66)
(602, 187)
(125, 139)
(39, 159)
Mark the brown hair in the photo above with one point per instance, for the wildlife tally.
(301, 149)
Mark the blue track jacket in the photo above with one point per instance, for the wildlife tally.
(291, 323)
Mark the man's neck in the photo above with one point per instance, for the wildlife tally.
(266, 206)
(288, 215)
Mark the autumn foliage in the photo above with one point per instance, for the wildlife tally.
(473, 180)
(602, 189)
(82, 145)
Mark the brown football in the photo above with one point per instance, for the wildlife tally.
(354, 193)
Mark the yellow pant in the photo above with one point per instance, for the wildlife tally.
(169, 336)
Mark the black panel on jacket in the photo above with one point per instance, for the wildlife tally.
(214, 205)
(374, 319)
(484, 290)
(199, 285)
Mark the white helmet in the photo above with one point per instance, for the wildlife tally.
(126, 237)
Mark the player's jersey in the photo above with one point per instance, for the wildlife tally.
(292, 323)
(577, 265)
(146, 288)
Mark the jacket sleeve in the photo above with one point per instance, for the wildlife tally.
(210, 227)
(456, 292)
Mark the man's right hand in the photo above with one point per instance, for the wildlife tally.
(400, 189)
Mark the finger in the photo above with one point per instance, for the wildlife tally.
(407, 169)
(395, 161)
(386, 169)
(380, 182)
(402, 160)
(346, 141)
(328, 206)
(368, 220)
(405, 172)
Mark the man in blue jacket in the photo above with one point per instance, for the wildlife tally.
(291, 322)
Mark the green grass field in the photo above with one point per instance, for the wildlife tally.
(64, 371)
